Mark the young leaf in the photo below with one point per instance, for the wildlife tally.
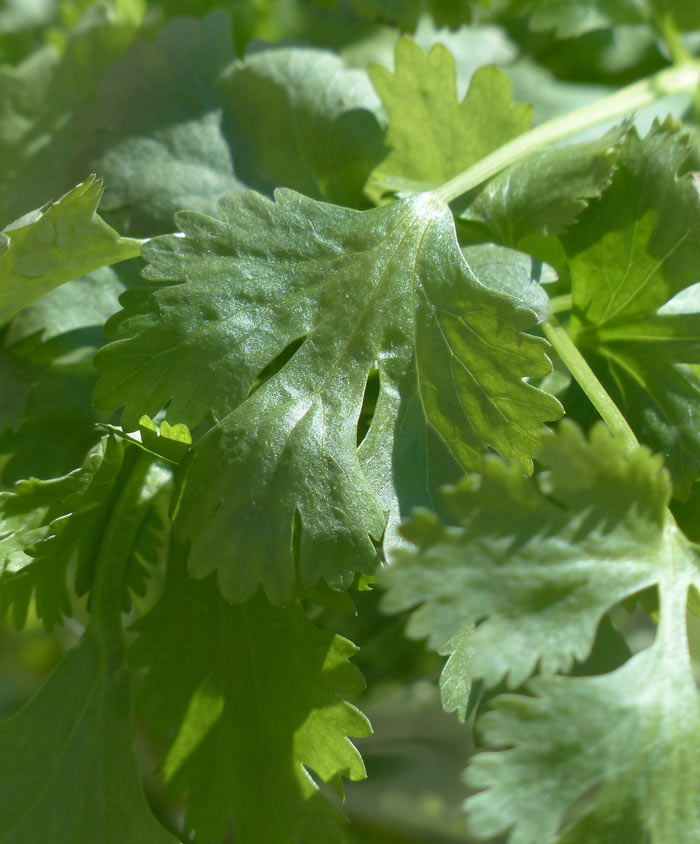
(536, 572)
(545, 192)
(45, 524)
(251, 696)
(432, 136)
(387, 285)
(54, 244)
(630, 253)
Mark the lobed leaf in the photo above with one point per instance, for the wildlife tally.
(433, 136)
(387, 285)
(250, 698)
(54, 244)
(631, 252)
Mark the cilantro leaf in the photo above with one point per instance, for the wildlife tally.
(298, 118)
(570, 18)
(432, 135)
(40, 104)
(249, 696)
(69, 771)
(390, 285)
(631, 252)
(154, 129)
(545, 192)
(600, 758)
(54, 244)
(52, 342)
(532, 572)
(46, 524)
(406, 13)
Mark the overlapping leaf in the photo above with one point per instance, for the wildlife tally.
(544, 192)
(299, 118)
(44, 524)
(154, 129)
(40, 101)
(252, 697)
(433, 136)
(69, 771)
(607, 758)
(629, 254)
(54, 244)
(387, 285)
(570, 18)
(537, 575)
(51, 343)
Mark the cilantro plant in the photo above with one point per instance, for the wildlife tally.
(349, 374)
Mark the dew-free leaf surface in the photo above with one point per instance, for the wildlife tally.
(54, 244)
(604, 758)
(388, 285)
(251, 698)
(631, 252)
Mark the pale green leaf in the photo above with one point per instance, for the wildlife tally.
(532, 569)
(432, 135)
(250, 697)
(54, 244)
(387, 285)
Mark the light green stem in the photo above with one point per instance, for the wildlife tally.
(672, 80)
(587, 381)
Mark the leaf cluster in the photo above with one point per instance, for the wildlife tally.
(302, 380)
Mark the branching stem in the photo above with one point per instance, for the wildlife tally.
(672, 80)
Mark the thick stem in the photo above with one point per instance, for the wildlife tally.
(587, 381)
(685, 77)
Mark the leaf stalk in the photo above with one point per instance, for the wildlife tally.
(577, 365)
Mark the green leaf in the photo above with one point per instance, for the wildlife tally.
(570, 18)
(54, 244)
(630, 253)
(44, 525)
(69, 771)
(250, 698)
(387, 285)
(432, 135)
(297, 117)
(606, 758)
(546, 191)
(531, 568)
(406, 13)
(40, 105)
(154, 130)
(684, 14)
(52, 342)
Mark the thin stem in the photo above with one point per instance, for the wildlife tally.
(586, 379)
(668, 30)
(672, 80)
(557, 304)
